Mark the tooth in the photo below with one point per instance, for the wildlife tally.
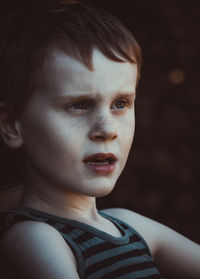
(99, 163)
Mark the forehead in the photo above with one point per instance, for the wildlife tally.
(62, 73)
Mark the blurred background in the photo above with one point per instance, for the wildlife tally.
(161, 179)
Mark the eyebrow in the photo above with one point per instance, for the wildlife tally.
(61, 99)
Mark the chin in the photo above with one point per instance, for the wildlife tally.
(102, 191)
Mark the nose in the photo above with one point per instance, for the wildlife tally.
(103, 129)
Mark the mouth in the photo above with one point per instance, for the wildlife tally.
(103, 163)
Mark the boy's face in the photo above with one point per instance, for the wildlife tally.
(75, 114)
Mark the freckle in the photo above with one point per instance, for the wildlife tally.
(78, 125)
(81, 125)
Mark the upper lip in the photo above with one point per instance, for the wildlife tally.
(101, 156)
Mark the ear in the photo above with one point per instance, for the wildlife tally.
(10, 127)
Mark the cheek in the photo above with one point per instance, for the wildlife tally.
(52, 138)
(41, 138)
(128, 140)
(127, 135)
(128, 128)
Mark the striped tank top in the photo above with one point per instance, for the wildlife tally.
(99, 255)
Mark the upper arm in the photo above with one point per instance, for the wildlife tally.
(175, 255)
(36, 250)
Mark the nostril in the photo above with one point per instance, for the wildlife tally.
(96, 137)
(103, 131)
(103, 136)
(114, 137)
(100, 137)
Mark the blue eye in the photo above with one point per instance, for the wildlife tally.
(120, 104)
(77, 107)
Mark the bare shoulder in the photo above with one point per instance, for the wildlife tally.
(37, 250)
(148, 228)
(156, 234)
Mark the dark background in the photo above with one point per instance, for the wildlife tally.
(161, 179)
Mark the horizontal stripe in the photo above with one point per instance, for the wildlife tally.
(83, 237)
(138, 255)
(111, 250)
(67, 229)
(145, 268)
(150, 273)
(117, 269)
(76, 233)
(97, 249)
(92, 242)
(58, 226)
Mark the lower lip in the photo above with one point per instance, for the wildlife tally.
(102, 169)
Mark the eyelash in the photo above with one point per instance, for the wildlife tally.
(125, 102)
(87, 104)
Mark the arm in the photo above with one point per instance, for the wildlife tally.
(175, 255)
(36, 250)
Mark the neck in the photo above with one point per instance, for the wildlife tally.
(61, 202)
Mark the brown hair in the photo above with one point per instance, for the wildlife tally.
(31, 28)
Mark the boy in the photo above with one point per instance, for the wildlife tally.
(68, 85)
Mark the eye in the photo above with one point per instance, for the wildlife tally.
(120, 104)
(77, 107)
(80, 106)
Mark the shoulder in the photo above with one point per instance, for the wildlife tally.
(169, 248)
(148, 228)
(28, 232)
(38, 249)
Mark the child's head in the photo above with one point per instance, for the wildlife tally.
(69, 74)
(33, 28)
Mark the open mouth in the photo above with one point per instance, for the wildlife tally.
(101, 162)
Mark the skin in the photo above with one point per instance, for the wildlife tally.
(76, 113)
(57, 133)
